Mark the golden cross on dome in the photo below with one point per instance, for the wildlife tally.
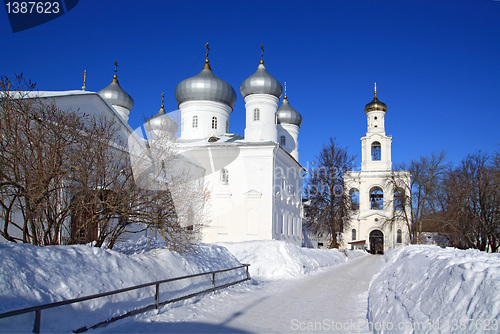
(375, 89)
(262, 54)
(162, 97)
(84, 79)
(115, 78)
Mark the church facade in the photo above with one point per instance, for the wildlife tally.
(254, 181)
(375, 198)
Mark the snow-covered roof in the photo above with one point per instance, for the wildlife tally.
(45, 94)
(357, 242)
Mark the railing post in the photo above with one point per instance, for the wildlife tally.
(213, 281)
(38, 318)
(248, 275)
(157, 295)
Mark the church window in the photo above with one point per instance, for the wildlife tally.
(256, 114)
(354, 197)
(276, 222)
(195, 121)
(376, 151)
(399, 237)
(227, 126)
(375, 117)
(224, 176)
(282, 224)
(282, 140)
(214, 122)
(353, 236)
(376, 198)
(399, 199)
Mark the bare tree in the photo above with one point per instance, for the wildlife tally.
(472, 203)
(67, 177)
(328, 205)
(415, 200)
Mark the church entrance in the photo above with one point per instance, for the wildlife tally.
(376, 242)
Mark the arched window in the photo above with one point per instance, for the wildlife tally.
(227, 126)
(256, 114)
(354, 197)
(376, 198)
(195, 121)
(283, 219)
(399, 237)
(399, 199)
(276, 221)
(353, 236)
(214, 122)
(282, 140)
(376, 151)
(224, 176)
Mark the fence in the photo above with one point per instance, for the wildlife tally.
(156, 305)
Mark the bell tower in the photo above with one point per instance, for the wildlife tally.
(376, 145)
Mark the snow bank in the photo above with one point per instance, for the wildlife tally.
(427, 289)
(31, 275)
(273, 259)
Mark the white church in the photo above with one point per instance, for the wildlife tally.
(374, 200)
(254, 181)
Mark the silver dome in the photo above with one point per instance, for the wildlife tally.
(205, 86)
(160, 123)
(115, 95)
(261, 82)
(286, 114)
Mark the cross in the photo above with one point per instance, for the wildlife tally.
(162, 97)
(375, 89)
(208, 49)
(84, 79)
(285, 89)
(116, 66)
(262, 52)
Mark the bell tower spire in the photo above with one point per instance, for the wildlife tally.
(376, 145)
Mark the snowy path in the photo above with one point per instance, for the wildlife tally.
(315, 303)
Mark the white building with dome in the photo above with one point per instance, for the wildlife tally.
(254, 180)
(373, 223)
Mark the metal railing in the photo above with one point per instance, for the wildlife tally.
(156, 305)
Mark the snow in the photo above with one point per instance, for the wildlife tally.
(435, 290)
(32, 275)
(42, 94)
(415, 289)
(323, 301)
(273, 259)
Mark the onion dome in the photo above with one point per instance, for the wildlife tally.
(286, 114)
(115, 95)
(161, 122)
(205, 86)
(375, 104)
(261, 82)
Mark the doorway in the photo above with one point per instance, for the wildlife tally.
(376, 242)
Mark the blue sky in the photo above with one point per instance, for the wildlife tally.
(436, 63)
